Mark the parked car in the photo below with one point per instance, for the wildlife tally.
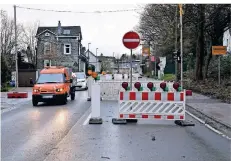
(81, 80)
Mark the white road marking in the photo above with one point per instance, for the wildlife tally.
(87, 120)
(208, 126)
(198, 119)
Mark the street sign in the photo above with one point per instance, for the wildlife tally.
(145, 50)
(219, 50)
(152, 58)
(131, 40)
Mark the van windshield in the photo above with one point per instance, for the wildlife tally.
(51, 78)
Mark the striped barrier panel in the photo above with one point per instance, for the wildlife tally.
(151, 105)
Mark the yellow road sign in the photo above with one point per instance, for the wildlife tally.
(145, 50)
(181, 10)
(219, 50)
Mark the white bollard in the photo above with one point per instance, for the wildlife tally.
(95, 104)
(90, 81)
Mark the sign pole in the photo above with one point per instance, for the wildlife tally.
(181, 47)
(131, 71)
(219, 69)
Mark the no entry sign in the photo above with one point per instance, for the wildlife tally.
(131, 40)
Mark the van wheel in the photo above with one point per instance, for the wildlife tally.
(73, 96)
(34, 102)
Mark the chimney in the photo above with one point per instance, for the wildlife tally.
(59, 28)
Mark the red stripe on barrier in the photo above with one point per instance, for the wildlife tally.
(170, 96)
(121, 116)
(132, 116)
(181, 117)
(145, 116)
(132, 96)
(157, 96)
(121, 95)
(157, 116)
(181, 96)
(144, 95)
(170, 117)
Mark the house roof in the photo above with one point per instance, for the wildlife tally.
(74, 30)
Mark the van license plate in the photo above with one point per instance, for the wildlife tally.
(48, 96)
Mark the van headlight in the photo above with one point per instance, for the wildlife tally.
(59, 89)
(36, 90)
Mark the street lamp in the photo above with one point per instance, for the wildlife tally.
(96, 58)
(88, 51)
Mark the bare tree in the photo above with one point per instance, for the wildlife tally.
(29, 40)
(7, 38)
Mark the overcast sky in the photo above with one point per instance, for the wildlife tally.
(104, 30)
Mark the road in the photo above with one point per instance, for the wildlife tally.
(62, 133)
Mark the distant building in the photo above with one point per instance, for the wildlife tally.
(93, 61)
(107, 62)
(61, 46)
(125, 66)
(227, 39)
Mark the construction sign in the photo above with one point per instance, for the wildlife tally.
(219, 50)
(145, 50)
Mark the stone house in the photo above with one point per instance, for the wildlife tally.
(60, 46)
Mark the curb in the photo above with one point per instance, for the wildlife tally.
(210, 120)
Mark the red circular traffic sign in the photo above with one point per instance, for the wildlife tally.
(131, 40)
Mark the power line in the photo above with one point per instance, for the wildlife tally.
(66, 11)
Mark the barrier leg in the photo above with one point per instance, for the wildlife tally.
(95, 105)
(117, 120)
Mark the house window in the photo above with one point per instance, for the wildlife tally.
(47, 48)
(66, 32)
(47, 63)
(67, 48)
(47, 34)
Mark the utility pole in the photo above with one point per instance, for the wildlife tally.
(16, 51)
(176, 64)
(181, 45)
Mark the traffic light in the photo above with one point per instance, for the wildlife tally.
(176, 56)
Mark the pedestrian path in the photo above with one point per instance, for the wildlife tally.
(213, 108)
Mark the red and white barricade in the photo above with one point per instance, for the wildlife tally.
(151, 105)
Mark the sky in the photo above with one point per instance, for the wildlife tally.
(104, 31)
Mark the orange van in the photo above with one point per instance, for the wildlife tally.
(54, 84)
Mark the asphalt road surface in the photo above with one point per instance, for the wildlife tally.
(62, 133)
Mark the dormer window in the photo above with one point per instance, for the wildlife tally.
(66, 32)
(47, 34)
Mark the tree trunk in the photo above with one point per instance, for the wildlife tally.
(208, 58)
(200, 45)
